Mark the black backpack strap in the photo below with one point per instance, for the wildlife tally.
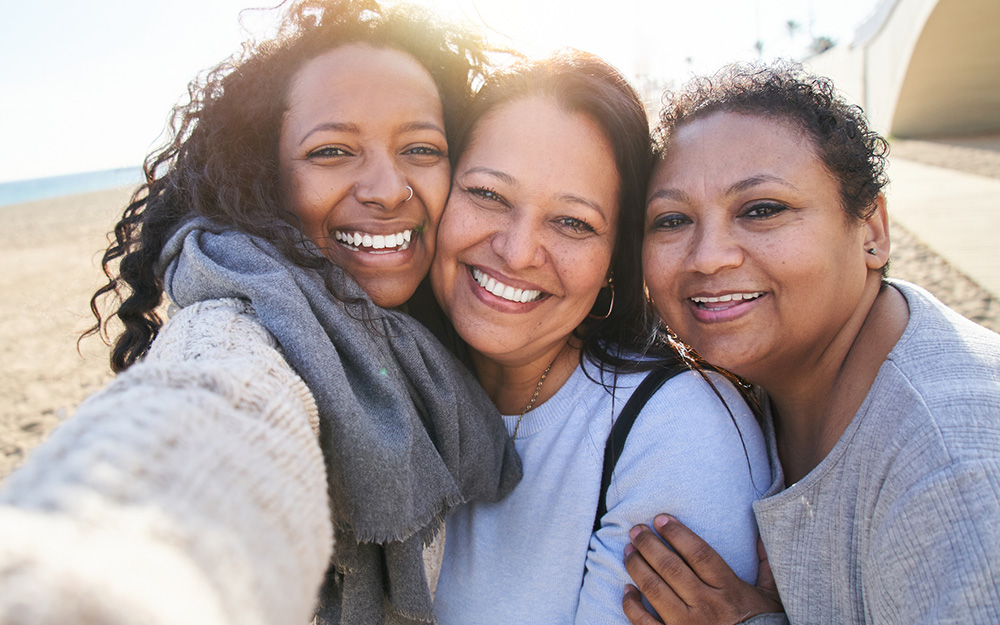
(619, 432)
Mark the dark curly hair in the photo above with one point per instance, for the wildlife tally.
(783, 91)
(221, 157)
(583, 83)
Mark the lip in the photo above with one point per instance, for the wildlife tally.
(499, 302)
(723, 306)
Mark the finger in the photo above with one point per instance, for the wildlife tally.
(704, 561)
(765, 577)
(634, 609)
(658, 571)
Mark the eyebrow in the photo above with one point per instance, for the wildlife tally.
(739, 186)
(576, 199)
(331, 126)
(508, 179)
(355, 129)
(753, 181)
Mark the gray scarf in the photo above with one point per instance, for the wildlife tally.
(406, 431)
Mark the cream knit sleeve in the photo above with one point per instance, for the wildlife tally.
(191, 490)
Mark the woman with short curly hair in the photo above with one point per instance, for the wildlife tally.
(766, 246)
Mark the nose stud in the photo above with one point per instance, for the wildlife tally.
(411, 193)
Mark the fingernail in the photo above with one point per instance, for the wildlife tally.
(661, 521)
(628, 549)
(634, 532)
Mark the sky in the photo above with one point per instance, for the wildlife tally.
(87, 86)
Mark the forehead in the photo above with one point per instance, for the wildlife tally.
(362, 78)
(542, 145)
(541, 129)
(725, 146)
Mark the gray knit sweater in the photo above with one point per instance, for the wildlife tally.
(900, 523)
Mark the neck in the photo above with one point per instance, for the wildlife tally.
(814, 405)
(511, 384)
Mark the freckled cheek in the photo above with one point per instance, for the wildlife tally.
(661, 267)
(434, 192)
(583, 271)
(450, 241)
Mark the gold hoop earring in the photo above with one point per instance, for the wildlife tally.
(611, 285)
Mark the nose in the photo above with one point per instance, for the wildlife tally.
(380, 183)
(714, 248)
(518, 242)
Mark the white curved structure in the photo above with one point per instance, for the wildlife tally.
(923, 67)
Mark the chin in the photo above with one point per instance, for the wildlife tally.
(389, 295)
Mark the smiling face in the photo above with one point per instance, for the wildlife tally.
(363, 124)
(749, 255)
(525, 243)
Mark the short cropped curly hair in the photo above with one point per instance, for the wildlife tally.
(785, 92)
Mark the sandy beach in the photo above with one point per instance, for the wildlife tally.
(49, 263)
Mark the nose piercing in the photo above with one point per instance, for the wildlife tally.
(411, 193)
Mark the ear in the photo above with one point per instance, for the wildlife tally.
(876, 245)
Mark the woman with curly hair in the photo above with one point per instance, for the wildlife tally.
(289, 422)
(766, 250)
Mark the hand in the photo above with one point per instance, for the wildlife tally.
(691, 584)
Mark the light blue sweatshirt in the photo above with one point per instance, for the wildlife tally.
(532, 558)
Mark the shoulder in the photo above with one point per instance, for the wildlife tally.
(941, 345)
(701, 420)
(212, 327)
(220, 347)
(702, 399)
(941, 381)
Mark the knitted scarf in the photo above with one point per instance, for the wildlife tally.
(406, 432)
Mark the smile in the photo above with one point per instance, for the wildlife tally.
(725, 301)
(375, 243)
(503, 291)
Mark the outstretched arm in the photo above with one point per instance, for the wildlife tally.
(191, 490)
(688, 582)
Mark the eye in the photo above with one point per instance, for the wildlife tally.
(486, 193)
(424, 150)
(576, 225)
(328, 151)
(670, 221)
(764, 210)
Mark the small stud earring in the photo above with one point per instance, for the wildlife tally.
(873, 252)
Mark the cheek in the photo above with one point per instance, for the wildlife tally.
(585, 269)
(434, 187)
(657, 266)
(449, 241)
(311, 198)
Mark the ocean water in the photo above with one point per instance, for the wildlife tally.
(55, 186)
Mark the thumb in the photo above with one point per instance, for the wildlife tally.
(765, 578)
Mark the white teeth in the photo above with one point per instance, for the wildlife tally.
(729, 297)
(399, 241)
(504, 291)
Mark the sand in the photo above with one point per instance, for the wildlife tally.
(49, 267)
(49, 263)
